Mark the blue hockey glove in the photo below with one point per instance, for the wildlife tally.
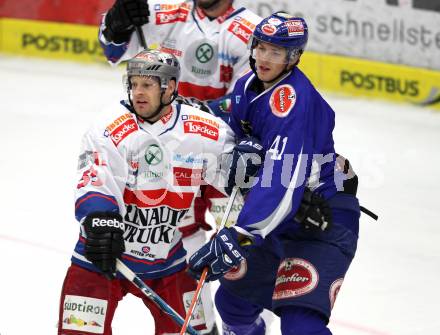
(246, 160)
(220, 255)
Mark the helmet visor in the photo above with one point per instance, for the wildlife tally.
(267, 52)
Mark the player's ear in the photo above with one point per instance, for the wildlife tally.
(171, 86)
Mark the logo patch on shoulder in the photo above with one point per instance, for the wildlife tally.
(282, 100)
(121, 128)
(295, 277)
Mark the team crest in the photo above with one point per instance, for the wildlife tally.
(334, 290)
(282, 100)
(295, 277)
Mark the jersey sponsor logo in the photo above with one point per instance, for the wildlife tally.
(205, 130)
(334, 290)
(245, 22)
(226, 73)
(268, 29)
(143, 254)
(225, 15)
(295, 277)
(295, 27)
(151, 225)
(167, 117)
(187, 177)
(167, 7)
(84, 314)
(172, 16)
(282, 100)
(204, 52)
(121, 128)
(198, 315)
(201, 119)
(175, 52)
(153, 154)
(187, 159)
(116, 123)
(237, 272)
(240, 30)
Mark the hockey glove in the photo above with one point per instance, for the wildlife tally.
(246, 160)
(121, 19)
(314, 212)
(220, 255)
(104, 241)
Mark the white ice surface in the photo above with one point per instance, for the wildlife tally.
(392, 287)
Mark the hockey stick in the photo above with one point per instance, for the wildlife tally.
(141, 37)
(205, 270)
(131, 276)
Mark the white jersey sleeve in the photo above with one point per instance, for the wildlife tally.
(102, 173)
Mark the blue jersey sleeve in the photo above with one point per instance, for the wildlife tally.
(299, 153)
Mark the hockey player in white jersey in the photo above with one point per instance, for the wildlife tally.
(209, 37)
(139, 170)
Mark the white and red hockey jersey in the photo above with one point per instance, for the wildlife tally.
(212, 53)
(150, 174)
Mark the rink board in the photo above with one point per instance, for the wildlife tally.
(342, 75)
(365, 78)
(50, 40)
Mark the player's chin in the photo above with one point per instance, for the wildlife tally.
(142, 107)
(265, 75)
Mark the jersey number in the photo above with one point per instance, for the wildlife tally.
(275, 150)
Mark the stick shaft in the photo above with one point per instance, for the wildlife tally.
(205, 270)
(131, 276)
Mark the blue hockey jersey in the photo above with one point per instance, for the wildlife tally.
(294, 124)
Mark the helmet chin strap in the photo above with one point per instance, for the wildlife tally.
(158, 109)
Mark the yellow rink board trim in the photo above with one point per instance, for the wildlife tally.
(365, 78)
(343, 75)
(50, 40)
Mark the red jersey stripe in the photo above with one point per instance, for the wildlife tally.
(200, 92)
(161, 197)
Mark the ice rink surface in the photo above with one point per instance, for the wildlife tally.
(392, 287)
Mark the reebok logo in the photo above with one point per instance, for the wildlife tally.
(108, 223)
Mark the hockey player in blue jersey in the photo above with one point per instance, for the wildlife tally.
(293, 266)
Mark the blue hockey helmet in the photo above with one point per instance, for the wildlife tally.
(283, 30)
